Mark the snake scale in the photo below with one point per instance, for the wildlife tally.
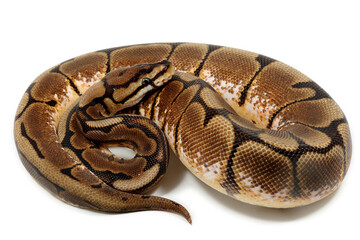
(245, 124)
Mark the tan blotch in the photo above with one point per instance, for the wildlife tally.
(139, 181)
(85, 70)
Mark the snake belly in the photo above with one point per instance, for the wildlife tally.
(247, 125)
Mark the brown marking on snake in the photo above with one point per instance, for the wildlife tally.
(214, 100)
(138, 181)
(312, 182)
(234, 66)
(101, 161)
(143, 144)
(268, 94)
(180, 56)
(280, 139)
(317, 113)
(98, 110)
(308, 135)
(262, 172)
(85, 70)
(213, 140)
(139, 54)
(287, 136)
(93, 93)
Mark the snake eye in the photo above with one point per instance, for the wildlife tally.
(145, 81)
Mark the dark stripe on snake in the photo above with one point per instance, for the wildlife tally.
(230, 185)
(329, 130)
(175, 203)
(108, 60)
(173, 47)
(244, 133)
(176, 133)
(97, 185)
(152, 108)
(185, 86)
(335, 136)
(51, 103)
(176, 140)
(30, 100)
(209, 112)
(294, 158)
(319, 94)
(67, 171)
(133, 93)
(72, 84)
(31, 141)
(264, 61)
(303, 148)
(210, 50)
(108, 52)
(34, 171)
(133, 79)
(91, 204)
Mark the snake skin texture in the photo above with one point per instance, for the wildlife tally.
(245, 124)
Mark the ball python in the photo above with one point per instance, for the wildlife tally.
(247, 125)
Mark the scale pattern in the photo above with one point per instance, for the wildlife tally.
(247, 125)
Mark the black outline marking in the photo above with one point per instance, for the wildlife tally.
(51, 103)
(31, 141)
(152, 107)
(35, 173)
(264, 61)
(72, 84)
(108, 52)
(173, 47)
(211, 49)
(67, 171)
(97, 185)
(175, 203)
(92, 204)
(30, 101)
(333, 133)
(319, 94)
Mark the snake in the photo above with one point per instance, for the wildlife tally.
(245, 124)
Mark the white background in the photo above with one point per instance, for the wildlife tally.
(319, 38)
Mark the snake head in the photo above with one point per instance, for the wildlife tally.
(124, 87)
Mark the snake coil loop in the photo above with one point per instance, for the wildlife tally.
(247, 125)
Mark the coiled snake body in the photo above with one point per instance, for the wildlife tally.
(245, 124)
